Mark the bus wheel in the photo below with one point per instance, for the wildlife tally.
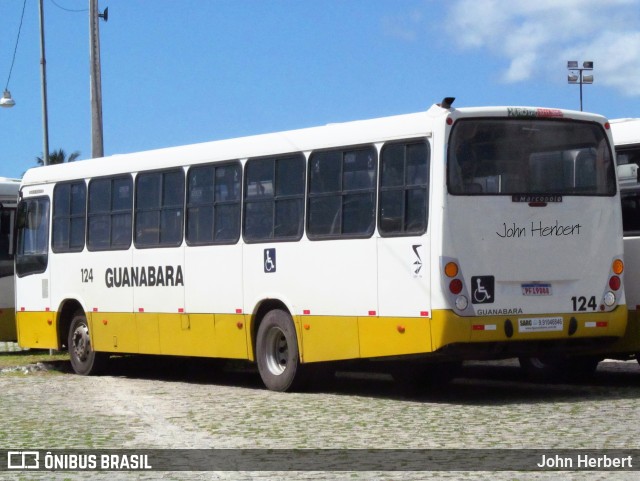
(84, 359)
(277, 352)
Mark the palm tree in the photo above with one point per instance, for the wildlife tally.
(59, 157)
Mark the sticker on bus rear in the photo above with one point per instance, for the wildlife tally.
(482, 289)
(540, 324)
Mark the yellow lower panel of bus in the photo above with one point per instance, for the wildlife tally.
(389, 336)
(449, 328)
(187, 334)
(630, 341)
(203, 335)
(114, 332)
(149, 331)
(326, 338)
(37, 330)
(230, 339)
(8, 331)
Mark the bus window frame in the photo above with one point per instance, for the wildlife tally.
(453, 168)
(161, 208)
(69, 217)
(110, 213)
(341, 193)
(275, 198)
(214, 204)
(7, 257)
(405, 188)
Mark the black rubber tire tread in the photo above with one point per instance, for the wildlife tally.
(289, 375)
(91, 362)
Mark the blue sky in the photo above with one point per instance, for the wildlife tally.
(179, 72)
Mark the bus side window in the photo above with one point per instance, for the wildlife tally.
(274, 198)
(404, 184)
(213, 204)
(631, 214)
(342, 194)
(69, 217)
(159, 208)
(5, 233)
(109, 212)
(6, 254)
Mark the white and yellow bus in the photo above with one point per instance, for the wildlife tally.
(450, 234)
(8, 201)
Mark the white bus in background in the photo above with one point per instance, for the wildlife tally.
(626, 137)
(423, 239)
(8, 201)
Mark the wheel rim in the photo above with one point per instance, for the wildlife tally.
(80, 342)
(277, 351)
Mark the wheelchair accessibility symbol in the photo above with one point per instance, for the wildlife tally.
(482, 289)
(270, 260)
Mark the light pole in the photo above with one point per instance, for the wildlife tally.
(97, 143)
(43, 73)
(579, 78)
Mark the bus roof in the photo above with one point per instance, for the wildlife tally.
(9, 186)
(331, 135)
(625, 131)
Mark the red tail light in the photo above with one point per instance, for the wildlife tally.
(614, 283)
(455, 286)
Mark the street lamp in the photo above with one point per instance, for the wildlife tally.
(6, 101)
(579, 78)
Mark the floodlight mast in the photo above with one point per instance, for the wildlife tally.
(579, 78)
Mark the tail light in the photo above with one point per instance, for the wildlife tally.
(455, 286)
(614, 283)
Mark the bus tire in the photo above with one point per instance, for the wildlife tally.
(84, 359)
(277, 352)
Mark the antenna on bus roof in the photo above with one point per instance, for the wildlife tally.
(446, 102)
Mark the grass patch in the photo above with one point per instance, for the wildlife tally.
(31, 356)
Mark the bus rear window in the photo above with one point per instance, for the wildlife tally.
(529, 156)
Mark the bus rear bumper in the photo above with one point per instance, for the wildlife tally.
(522, 334)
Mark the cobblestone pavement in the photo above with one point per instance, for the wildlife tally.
(158, 403)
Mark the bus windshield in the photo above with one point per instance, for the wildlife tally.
(529, 156)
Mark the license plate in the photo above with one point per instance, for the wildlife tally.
(536, 289)
(540, 324)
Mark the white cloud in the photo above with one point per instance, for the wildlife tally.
(535, 36)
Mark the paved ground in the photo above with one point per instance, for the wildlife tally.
(163, 404)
